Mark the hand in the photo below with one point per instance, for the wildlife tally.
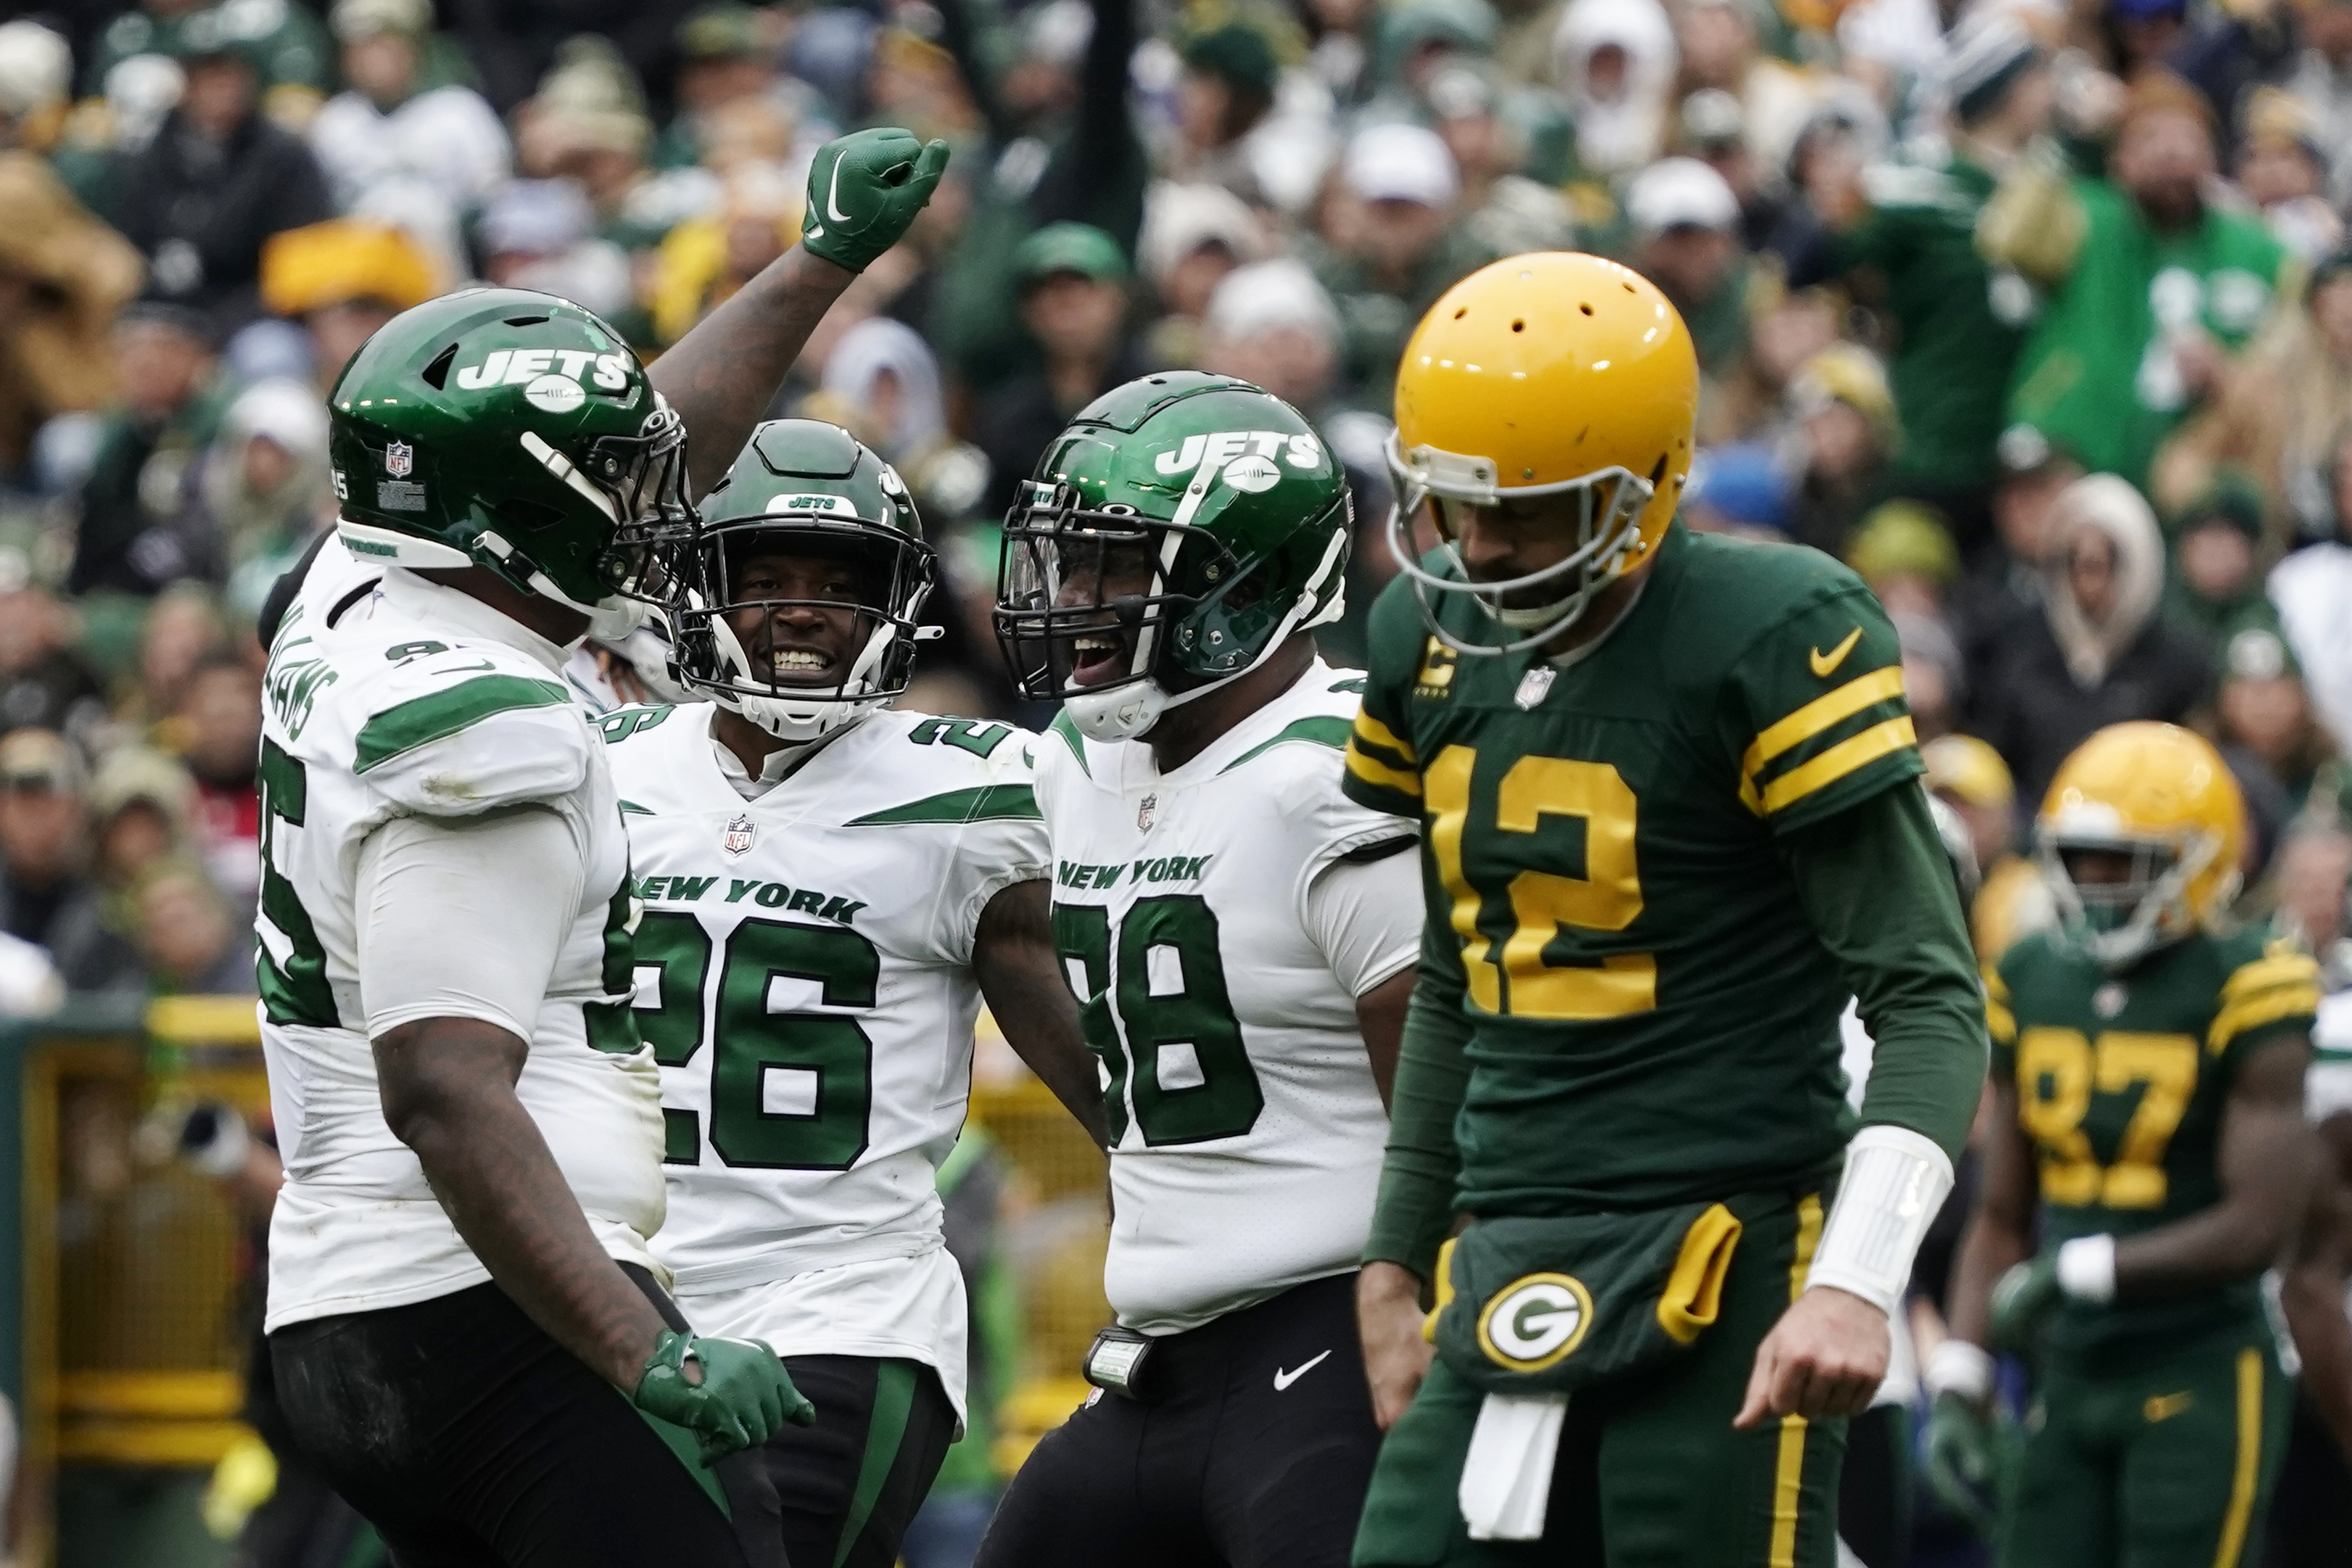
(1826, 1356)
(1959, 1461)
(864, 192)
(740, 1398)
(1389, 1320)
(2021, 1298)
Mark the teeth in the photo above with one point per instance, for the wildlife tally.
(796, 658)
(1098, 645)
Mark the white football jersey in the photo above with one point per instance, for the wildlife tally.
(419, 701)
(1246, 1131)
(804, 972)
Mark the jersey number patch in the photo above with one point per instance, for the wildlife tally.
(1506, 928)
(790, 1088)
(2058, 1071)
(295, 992)
(1183, 1065)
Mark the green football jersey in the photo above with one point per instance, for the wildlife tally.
(2121, 1083)
(1652, 1018)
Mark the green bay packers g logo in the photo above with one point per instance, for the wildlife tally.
(1534, 1321)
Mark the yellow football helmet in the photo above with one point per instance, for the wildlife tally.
(2163, 797)
(1540, 375)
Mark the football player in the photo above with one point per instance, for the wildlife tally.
(829, 889)
(1665, 783)
(2147, 1091)
(1241, 940)
(459, 1271)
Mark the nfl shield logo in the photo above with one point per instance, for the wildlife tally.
(399, 459)
(1143, 814)
(737, 839)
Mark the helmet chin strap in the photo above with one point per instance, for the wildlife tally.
(802, 721)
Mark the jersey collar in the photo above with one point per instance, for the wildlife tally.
(407, 593)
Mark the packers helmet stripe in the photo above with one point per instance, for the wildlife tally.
(2262, 1008)
(1372, 732)
(1880, 740)
(1820, 714)
(1378, 772)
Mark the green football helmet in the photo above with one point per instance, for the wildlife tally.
(1174, 536)
(512, 430)
(803, 490)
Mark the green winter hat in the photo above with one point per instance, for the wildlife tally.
(1237, 52)
(1078, 247)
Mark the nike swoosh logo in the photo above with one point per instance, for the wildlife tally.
(1283, 1380)
(1823, 663)
(832, 207)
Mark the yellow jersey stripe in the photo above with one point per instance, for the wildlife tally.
(2245, 1477)
(1821, 714)
(2272, 969)
(1374, 771)
(1789, 1470)
(1855, 752)
(2000, 1023)
(1995, 986)
(2262, 1008)
(1372, 732)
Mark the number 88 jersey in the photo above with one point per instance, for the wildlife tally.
(2122, 1080)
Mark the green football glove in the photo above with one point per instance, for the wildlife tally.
(2021, 1298)
(865, 190)
(1959, 1461)
(743, 1397)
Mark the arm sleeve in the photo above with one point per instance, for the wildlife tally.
(1363, 914)
(429, 890)
(1878, 892)
(1382, 772)
(1414, 1211)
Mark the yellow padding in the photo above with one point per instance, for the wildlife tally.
(1694, 1291)
(1445, 1291)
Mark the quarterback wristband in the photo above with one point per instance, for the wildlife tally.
(2087, 1269)
(1894, 1182)
(1956, 1367)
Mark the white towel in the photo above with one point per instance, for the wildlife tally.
(1507, 1475)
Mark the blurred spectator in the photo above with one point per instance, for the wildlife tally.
(44, 683)
(1271, 325)
(1225, 93)
(267, 486)
(2283, 169)
(1737, 488)
(36, 86)
(881, 382)
(1615, 60)
(2264, 714)
(288, 49)
(342, 280)
(2098, 654)
(541, 234)
(1845, 433)
(390, 141)
(1935, 684)
(2282, 411)
(1904, 553)
(703, 261)
(141, 527)
(142, 805)
(2216, 585)
(1685, 225)
(193, 941)
(218, 730)
(182, 632)
(726, 53)
(63, 275)
(1969, 776)
(587, 124)
(2322, 79)
(1192, 236)
(1074, 302)
(2313, 861)
(2162, 291)
(2311, 588)
(47, 897)
(31, 986)
(1391, 248)
(216, 183)
(1959, 321)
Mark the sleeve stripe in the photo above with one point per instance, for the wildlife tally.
(2271, 969)
(1857, 752)
(1378, 774)
(1372, 732)
(2253, 1012)
(1995, 986)
(440, 714)
(1819, 714)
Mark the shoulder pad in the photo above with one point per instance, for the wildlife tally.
(456, 730)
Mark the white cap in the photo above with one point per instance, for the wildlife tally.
(36, 67)
(1179, 219)
(1268, 295)
(1674, 193)
(1402, 163)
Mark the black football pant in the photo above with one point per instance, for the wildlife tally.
(470, 1439)
(839, 1494)
(1256, 1456)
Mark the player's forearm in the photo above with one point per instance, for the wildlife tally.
(1020, 975)
(1989, 1248)
(1879, 894)
(448, 1093)
(721, 376)
(1415, 1206)
(2312, 1298)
